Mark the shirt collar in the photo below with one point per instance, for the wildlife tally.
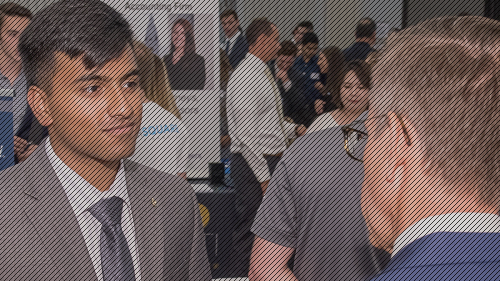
(455, 222)
(234, 38)
(81, 194)
(254, 61)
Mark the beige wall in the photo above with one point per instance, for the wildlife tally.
(340, 22)
(420, 10)
(334, 20)
(285, 14)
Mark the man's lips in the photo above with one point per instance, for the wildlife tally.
(120, 129)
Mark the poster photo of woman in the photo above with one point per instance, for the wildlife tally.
(186, 69)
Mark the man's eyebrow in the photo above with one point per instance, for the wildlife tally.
(89, 77)
(134, 72)
(94, 77)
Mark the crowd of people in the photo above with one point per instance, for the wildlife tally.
(349, 164)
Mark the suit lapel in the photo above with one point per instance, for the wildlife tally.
(148, 222)
(50, 212)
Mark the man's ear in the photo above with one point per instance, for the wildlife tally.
(398, 146)
(37, 100)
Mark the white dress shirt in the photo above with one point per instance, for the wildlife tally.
(231, 41)
(253, 118)
(82, 195)
(286, 85)
(456, 222)
(162, 143)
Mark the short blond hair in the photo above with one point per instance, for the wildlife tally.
(442, 75)
(153, 78)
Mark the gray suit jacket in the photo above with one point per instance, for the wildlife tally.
(40, 238)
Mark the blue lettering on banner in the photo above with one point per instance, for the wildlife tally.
(158, 130)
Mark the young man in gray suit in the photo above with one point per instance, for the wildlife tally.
(75, 209)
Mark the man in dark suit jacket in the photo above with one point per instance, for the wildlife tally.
(76, 209)
(235, 44)
(365, 39)
(431, 196)
(291, 85)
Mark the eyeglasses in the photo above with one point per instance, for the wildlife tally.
(356, 135)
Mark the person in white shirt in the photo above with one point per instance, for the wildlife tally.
(163, 140)
(257, 127)
(434, 116)
(235, 44)
(348, 92)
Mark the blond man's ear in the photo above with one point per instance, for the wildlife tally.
(37, 100)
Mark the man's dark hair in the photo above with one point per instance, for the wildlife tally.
(228, 13)
(257, 28)
(310, 38)
(464, 14)
(366, 28)
(73, 27)
(307, 24)
(288, 49)
(13, 9)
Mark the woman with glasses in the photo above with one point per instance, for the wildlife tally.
(348, 93)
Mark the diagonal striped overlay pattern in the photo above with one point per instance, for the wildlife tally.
(249, 140)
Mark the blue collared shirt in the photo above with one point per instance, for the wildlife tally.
(312, 74)
(20, 102)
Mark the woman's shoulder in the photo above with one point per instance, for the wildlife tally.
(324, 121)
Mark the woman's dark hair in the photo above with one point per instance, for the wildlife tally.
(361, 69)
(190, 46)
(334, 75)
(84, 27)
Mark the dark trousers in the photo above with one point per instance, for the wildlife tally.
(248, 200)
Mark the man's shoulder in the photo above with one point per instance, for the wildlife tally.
(16, 175)
(242, 40)
(13, 181)
(315, 146)
(152, 180)
(485, 271)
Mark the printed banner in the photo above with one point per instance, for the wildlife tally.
(7, 131)
(194, 75)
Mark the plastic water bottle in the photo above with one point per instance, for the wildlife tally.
(227, 172)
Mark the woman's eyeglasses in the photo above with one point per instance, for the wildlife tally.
(356, 135)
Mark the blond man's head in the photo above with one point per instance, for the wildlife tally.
(437, 85)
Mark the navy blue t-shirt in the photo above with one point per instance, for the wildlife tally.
(312, 74)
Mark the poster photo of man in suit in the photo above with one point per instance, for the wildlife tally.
(76, 209)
